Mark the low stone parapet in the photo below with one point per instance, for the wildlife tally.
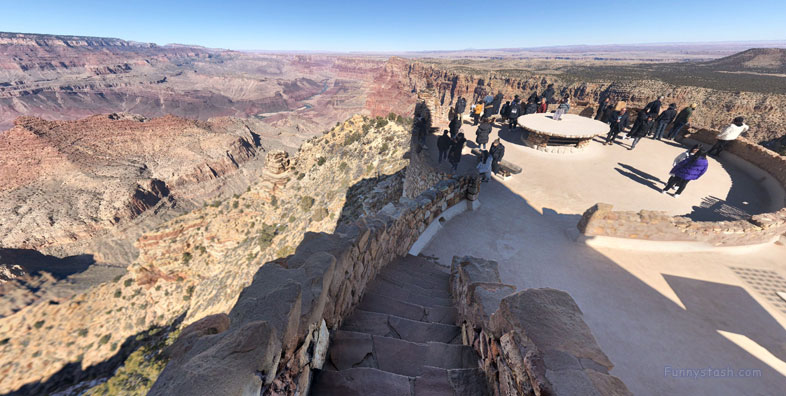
(530, 342)
(278, 331)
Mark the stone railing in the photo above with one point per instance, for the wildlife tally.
(601, 221)
(277, 332)
(531, 342)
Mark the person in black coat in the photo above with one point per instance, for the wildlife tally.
(654, 107)
(602, 106)
(497, 151)
(482, 134)
(531, 108)
(533, 98)
(513, 114)
(619, 121)
(461, 105)
(664, 119)
(641, 128)
(454, 126)
(497, 102)
(505, 110)
(608, 114)
(549, 94)
(443, 145)
(454, 154)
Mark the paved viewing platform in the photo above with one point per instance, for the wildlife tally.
(654, 313)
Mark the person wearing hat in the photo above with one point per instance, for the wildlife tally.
(654, 107)
(728, 135)
(682, 120)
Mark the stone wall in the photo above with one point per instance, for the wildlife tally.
(601, 220)
(530, 342)
(277, 333)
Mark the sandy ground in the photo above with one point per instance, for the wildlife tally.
(654, 314)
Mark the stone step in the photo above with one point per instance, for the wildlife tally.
(406, 294)
(352, 349)
(363, 381)
(398, 274)
(392, 326)
(373, 302)
(441, 292)
(421, 266)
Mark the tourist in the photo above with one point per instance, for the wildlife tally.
(482, 133)
(531, 107)
(549, 93)
(608, 114)
(497, 151)
(477, 111)
(682, 157)
(505, 110)
(641, 128)
(533, 98)
(461, 105)
(728, 135)
(513, 114)
(654, 106)
(484, 166)
(689, 169)
(488, 110)
(664, 119)
(497, 102)
(543, 106)
(454, 155)
(443, 145)
(619, 121)
(564, 106)
(681, 120)
(602, 106)
(454, 126)
(421, 129)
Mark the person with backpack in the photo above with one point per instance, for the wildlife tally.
(619, 120)
(484, 166)
(728, 135)
(513, 114)
(690, 169)
(497, 151)
(681, 120)
(641, 128)
(482, 133)
(477, 111)
(664, 119)
(461, 105)
(454, 154)
(443, 145)
(505, 110)
(454, 126)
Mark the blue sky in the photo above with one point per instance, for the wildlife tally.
(403, 25)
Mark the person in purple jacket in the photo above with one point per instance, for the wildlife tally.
(689, 169)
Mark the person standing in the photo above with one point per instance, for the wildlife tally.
(497, 151)
(654, 106)
(482, 133)
(641, 128)
(533, 98)
(484, 166)
(682, 119)
(454, 154)
(543, 106)
(602, 106)
(477, 111)
(497, 102)
(664, 119)
(461, 105)
(513, 114)
(454, 126)
(690, 169)
(728, 135)
(443, 145)
(548, 94)
(619, 120)
(682, 157)
(564, 106)
(505, 110)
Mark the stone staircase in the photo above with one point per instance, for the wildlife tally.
(402, 340)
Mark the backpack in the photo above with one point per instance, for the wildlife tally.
(514, 110)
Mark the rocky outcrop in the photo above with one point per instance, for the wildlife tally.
(530, 342)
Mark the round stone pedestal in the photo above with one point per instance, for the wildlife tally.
(571, 133)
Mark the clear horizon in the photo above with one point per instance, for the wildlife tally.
(409, 26)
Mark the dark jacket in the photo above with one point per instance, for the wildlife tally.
(454, 155)
(444, 142)
(618, 121)
(689, 169)
(667, 116)
(483, 132)
(533, 98)
(497, 102)
(454, 126)
(514, 111)
(548, 94)
(461, 105)
(641, 127)
(532, 108)
(653, 107)
(602, 106)
(505, 111)
(497, 152)
(607, 114)
(684, 115)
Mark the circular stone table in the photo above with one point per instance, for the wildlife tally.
(570, 134)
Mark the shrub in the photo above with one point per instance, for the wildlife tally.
(306, 203)
(355, 137)
(215, 204)
(38, 324)
(189, 293)
(392, 116)
(82, 332)
(285, 251)
(321, 160)
(118, 293)
(266, 235)
(385, 148)
(128, 282)
(274, 201)
(104, 339)
(319, 214)
(343, 166)
(292, 219)
(186, 257)
(381, 122)
(301, 176)
(235, 204)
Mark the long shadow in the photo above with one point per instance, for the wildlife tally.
(35, 262)
(513, 135)
(638, 176)
(641, 330)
